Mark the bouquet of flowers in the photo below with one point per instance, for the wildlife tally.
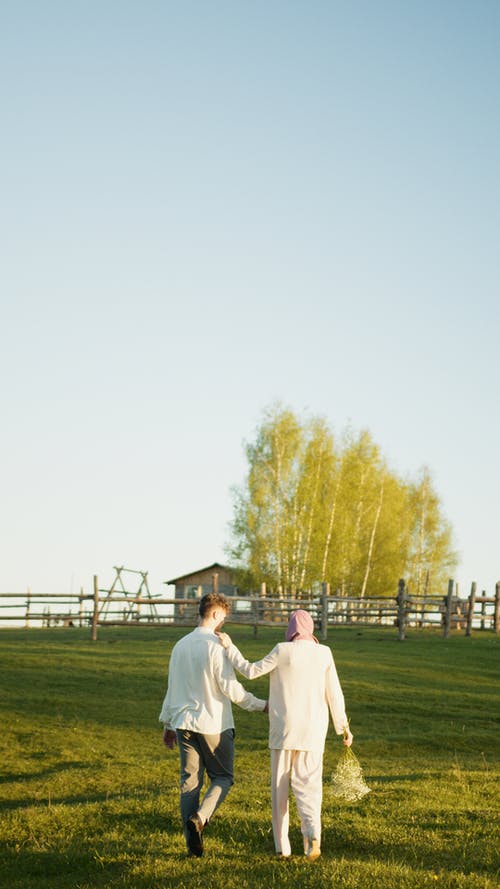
(347, 780)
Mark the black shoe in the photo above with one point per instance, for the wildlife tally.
(194, 829)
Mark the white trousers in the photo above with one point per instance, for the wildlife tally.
(304, 769)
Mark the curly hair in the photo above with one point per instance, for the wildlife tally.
(213, 600)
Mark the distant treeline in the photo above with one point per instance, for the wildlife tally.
(320, 508)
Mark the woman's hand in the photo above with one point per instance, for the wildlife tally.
(225, 640)
(348, 738)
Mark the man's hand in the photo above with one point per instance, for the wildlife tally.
(169, 738)
(224, 639)
(348, 738)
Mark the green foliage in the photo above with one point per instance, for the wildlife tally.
(89, 795)
(317, 509)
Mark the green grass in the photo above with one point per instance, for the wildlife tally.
(89, 795)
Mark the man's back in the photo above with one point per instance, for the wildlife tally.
(194, 700)
(201, 686)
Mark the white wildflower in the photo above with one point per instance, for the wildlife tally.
(347, 780)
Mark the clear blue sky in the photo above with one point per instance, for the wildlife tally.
(210, 206)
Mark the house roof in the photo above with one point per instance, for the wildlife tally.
(198, 571)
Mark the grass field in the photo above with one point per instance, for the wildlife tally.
(89, 794)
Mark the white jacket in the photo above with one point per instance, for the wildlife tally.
(303, 686)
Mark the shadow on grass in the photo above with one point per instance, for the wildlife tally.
(26, 867)
(443, 851)
(81, 799)
(7, 778)
(235, 843)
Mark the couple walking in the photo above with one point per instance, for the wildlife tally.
(197, 717)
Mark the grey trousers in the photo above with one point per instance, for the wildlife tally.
(213, 754)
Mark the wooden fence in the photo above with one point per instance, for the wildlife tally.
(449, 612)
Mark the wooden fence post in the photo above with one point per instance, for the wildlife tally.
(28, 602)
(470, 610)
(325, 587)
(80, 609)
(256, 607)
(401, 610)
(255, 613)
(95, 613)
(215, 582)
(423, 604)
(348, 612)
(447, 613)
(483, 610)
(496, 617)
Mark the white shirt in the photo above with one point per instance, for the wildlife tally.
(303, 686)
(201, 686)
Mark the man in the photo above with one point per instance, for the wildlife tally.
(197, 716)
(303, 686)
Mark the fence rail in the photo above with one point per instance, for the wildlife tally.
(450, 612)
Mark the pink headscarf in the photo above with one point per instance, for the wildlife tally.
(300, 626)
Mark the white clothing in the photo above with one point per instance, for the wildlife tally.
(305, 769)
(201, 686)
(303, 686)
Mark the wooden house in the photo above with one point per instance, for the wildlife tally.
(205, 580)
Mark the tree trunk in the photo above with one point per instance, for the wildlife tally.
(421, 538)
(372, 540)
(330, 527)
(277, 516)
(310, 524)
(357, 528)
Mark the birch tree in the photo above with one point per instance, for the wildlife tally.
(315, 508)
(263, 522)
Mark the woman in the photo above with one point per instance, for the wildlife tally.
(304, 686)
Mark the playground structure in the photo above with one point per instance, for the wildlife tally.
(128, 604)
